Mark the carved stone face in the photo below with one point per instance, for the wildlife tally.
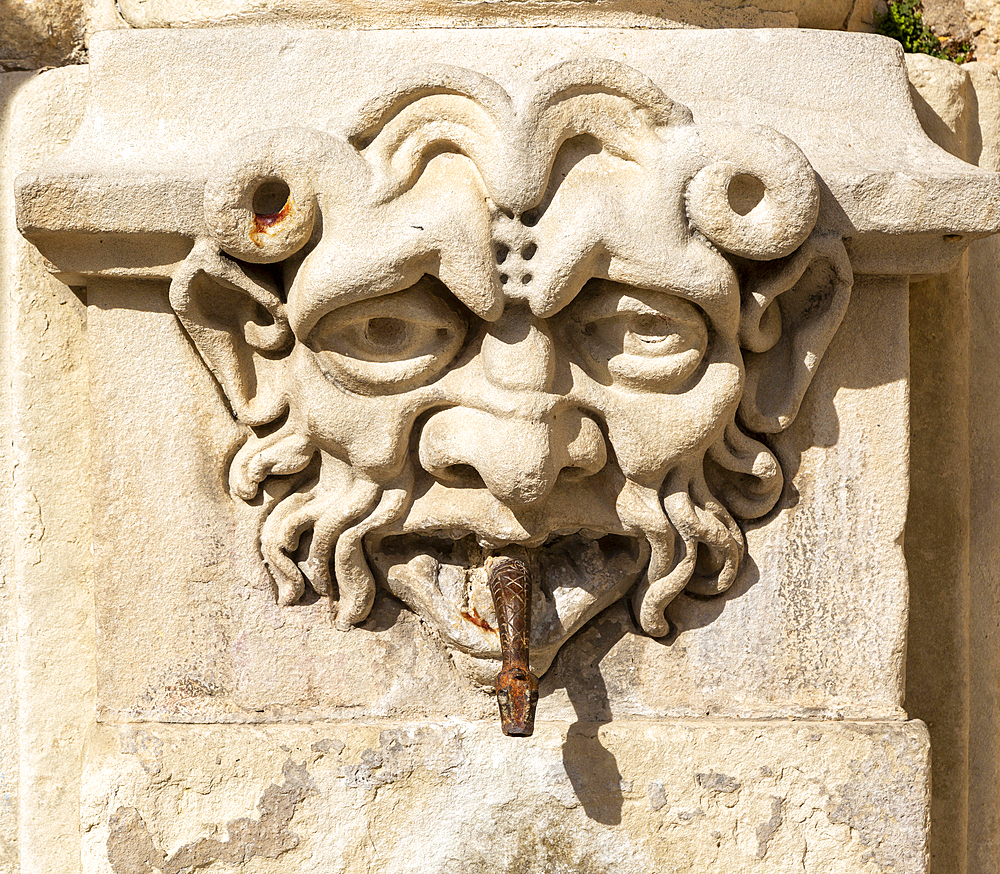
(547, 426)
(518, 324)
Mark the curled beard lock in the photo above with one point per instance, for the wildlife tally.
(317, 511)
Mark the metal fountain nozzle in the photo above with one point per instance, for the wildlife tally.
(517, 688)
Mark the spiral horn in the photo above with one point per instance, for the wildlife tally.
(758, 198)
(260, 199)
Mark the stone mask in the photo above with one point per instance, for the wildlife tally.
(471, 320)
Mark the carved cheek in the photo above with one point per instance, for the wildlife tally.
(653, 433)
(370, 432)
(663, 380)
(366, 369)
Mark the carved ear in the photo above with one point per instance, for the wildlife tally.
(237, 322)
(791, 310)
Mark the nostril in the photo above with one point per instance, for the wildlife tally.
(458, 475)
(574, 474)
(461, 475)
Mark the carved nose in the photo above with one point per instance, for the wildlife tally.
(517, 353)
(519, 460)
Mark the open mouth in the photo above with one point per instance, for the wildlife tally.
(441, 576)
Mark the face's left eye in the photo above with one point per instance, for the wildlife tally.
(391, 343)
(638, 337)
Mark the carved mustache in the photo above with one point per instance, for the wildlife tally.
(340, 509)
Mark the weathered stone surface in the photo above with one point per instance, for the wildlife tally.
(976, 22)
(984, 529)
(41, 33)
(217, 646)
(258, 258)
(50, 680)
(629, 798)
(984, 23)
(953, 652)
(827, 14)
(9, 753)
(220, 647)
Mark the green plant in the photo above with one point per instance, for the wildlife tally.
(904, 21)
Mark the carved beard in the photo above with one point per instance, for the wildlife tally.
(328, 526)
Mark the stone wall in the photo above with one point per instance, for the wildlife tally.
(47, 34)
(952, 660)
(975, 22)
(52, 32)
(184, 696)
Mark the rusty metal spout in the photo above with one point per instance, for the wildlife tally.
(517, 688)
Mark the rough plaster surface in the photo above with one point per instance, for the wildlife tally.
(627, 797)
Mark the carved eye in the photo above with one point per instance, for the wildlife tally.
(640, 338)
(390, 343)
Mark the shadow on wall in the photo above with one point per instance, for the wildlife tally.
(592, 768)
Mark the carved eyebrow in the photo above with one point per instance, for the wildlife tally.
(305, 320)
(611, 298)
(309, 300)
(700, 276)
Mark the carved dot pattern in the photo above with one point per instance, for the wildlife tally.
(502, 252)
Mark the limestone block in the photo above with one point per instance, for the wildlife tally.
(218, 646)
(835, 15)
(244, 632)
(626, 306)
(9, 753)
(402, 798)
(39, 34)
(48, 669)
(953, 600)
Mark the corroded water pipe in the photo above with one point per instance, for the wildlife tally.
(517, 688)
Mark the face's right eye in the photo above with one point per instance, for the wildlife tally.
(391, 343)
(637, 337)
